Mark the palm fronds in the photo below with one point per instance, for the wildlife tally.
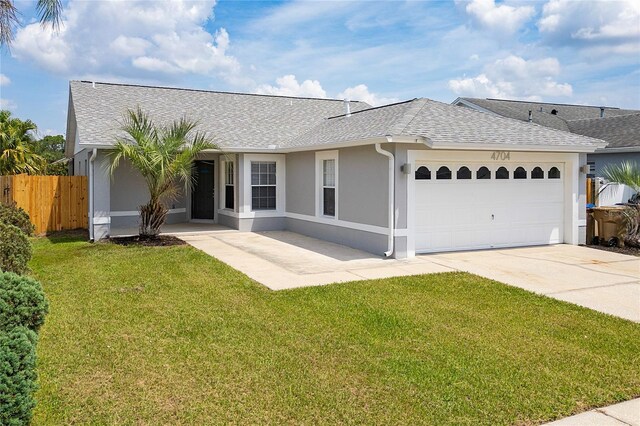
(164, 157)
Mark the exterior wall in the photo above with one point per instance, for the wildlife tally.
(259, 224)
(367, 241)
(301, 183)
(100, 218)
(128, 191)
(362, 199)
(363, 186)
(602, 159)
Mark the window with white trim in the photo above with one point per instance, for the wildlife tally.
(229, 188)
(263, 185)
(329, 187)
(327, 184)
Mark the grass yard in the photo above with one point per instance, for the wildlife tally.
(168, 335)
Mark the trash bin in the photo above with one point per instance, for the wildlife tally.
(610, 226)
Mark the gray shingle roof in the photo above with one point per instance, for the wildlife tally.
(439, 123)
(621, 132)
(581, 119)
(245, 121)
(235, 120)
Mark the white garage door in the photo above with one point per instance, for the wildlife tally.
(475, 206)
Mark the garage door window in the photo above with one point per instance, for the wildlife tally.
(502, 173)
(423, 173)
(443, 173)
(520, 173)
(537, 173)
(483, 173)
(463, 173)
(554, 173)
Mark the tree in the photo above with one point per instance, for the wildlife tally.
(49, 12)
(164, 156)
(16, 152)
(51, 148)
(627, 173)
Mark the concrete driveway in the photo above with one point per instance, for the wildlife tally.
(604, 281)
(600, 280)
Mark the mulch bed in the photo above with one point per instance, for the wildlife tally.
(631, 251)
(136, 240)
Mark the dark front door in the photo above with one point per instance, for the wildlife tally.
(202, 206)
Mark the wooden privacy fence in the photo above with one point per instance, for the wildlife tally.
(54, 203)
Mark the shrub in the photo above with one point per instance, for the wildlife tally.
(16, 216)
(22, 302)
(15, 249)
(17, 375)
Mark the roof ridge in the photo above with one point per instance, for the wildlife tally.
(603, 118)
(405, 120)
(372, 108)
(209, 91)
(547, 103)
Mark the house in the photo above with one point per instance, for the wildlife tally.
(411, 177)
(620, 128)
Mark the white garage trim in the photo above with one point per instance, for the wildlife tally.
(567, 163)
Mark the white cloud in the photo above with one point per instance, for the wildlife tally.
(288, 85)
(503, 19)
(361, 93)
(614, 24)
(130, 39)
(516, 78)
(4, 80)
(8, 104)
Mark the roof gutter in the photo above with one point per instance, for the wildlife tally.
(392, 209)
(91, 179)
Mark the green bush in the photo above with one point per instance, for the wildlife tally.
(17, 375)
(16, 216)
(15, 249)
(22, 302)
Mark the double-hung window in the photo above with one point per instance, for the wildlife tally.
(229, 190)
(263, 185)
(327, 183)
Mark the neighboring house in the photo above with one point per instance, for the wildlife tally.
(412, 177)
(620, 128)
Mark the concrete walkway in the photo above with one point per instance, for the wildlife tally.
(283, 260)
(623, 414)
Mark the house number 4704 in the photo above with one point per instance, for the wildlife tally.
(501, 155)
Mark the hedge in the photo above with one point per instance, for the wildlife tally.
(15, 249)
(16, 216)
(22, 302)
(17, 375)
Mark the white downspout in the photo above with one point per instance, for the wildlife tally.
(93, 157)
(379, 150)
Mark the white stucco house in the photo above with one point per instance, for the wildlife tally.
(412, 177)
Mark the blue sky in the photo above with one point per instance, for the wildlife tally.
(554, 50)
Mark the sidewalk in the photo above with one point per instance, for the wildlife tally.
(622, 414)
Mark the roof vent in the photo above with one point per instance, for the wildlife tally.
(601, 112)
(541, 108)
(554, 112)
(530, 116)
(347, 108)
(93, 84)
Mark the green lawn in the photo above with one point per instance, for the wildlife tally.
(170, 335)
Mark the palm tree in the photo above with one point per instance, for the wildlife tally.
(164, 156)
(48, 10)
(16, 152)
(627, 173)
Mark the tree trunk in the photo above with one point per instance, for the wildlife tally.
(152, 217)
